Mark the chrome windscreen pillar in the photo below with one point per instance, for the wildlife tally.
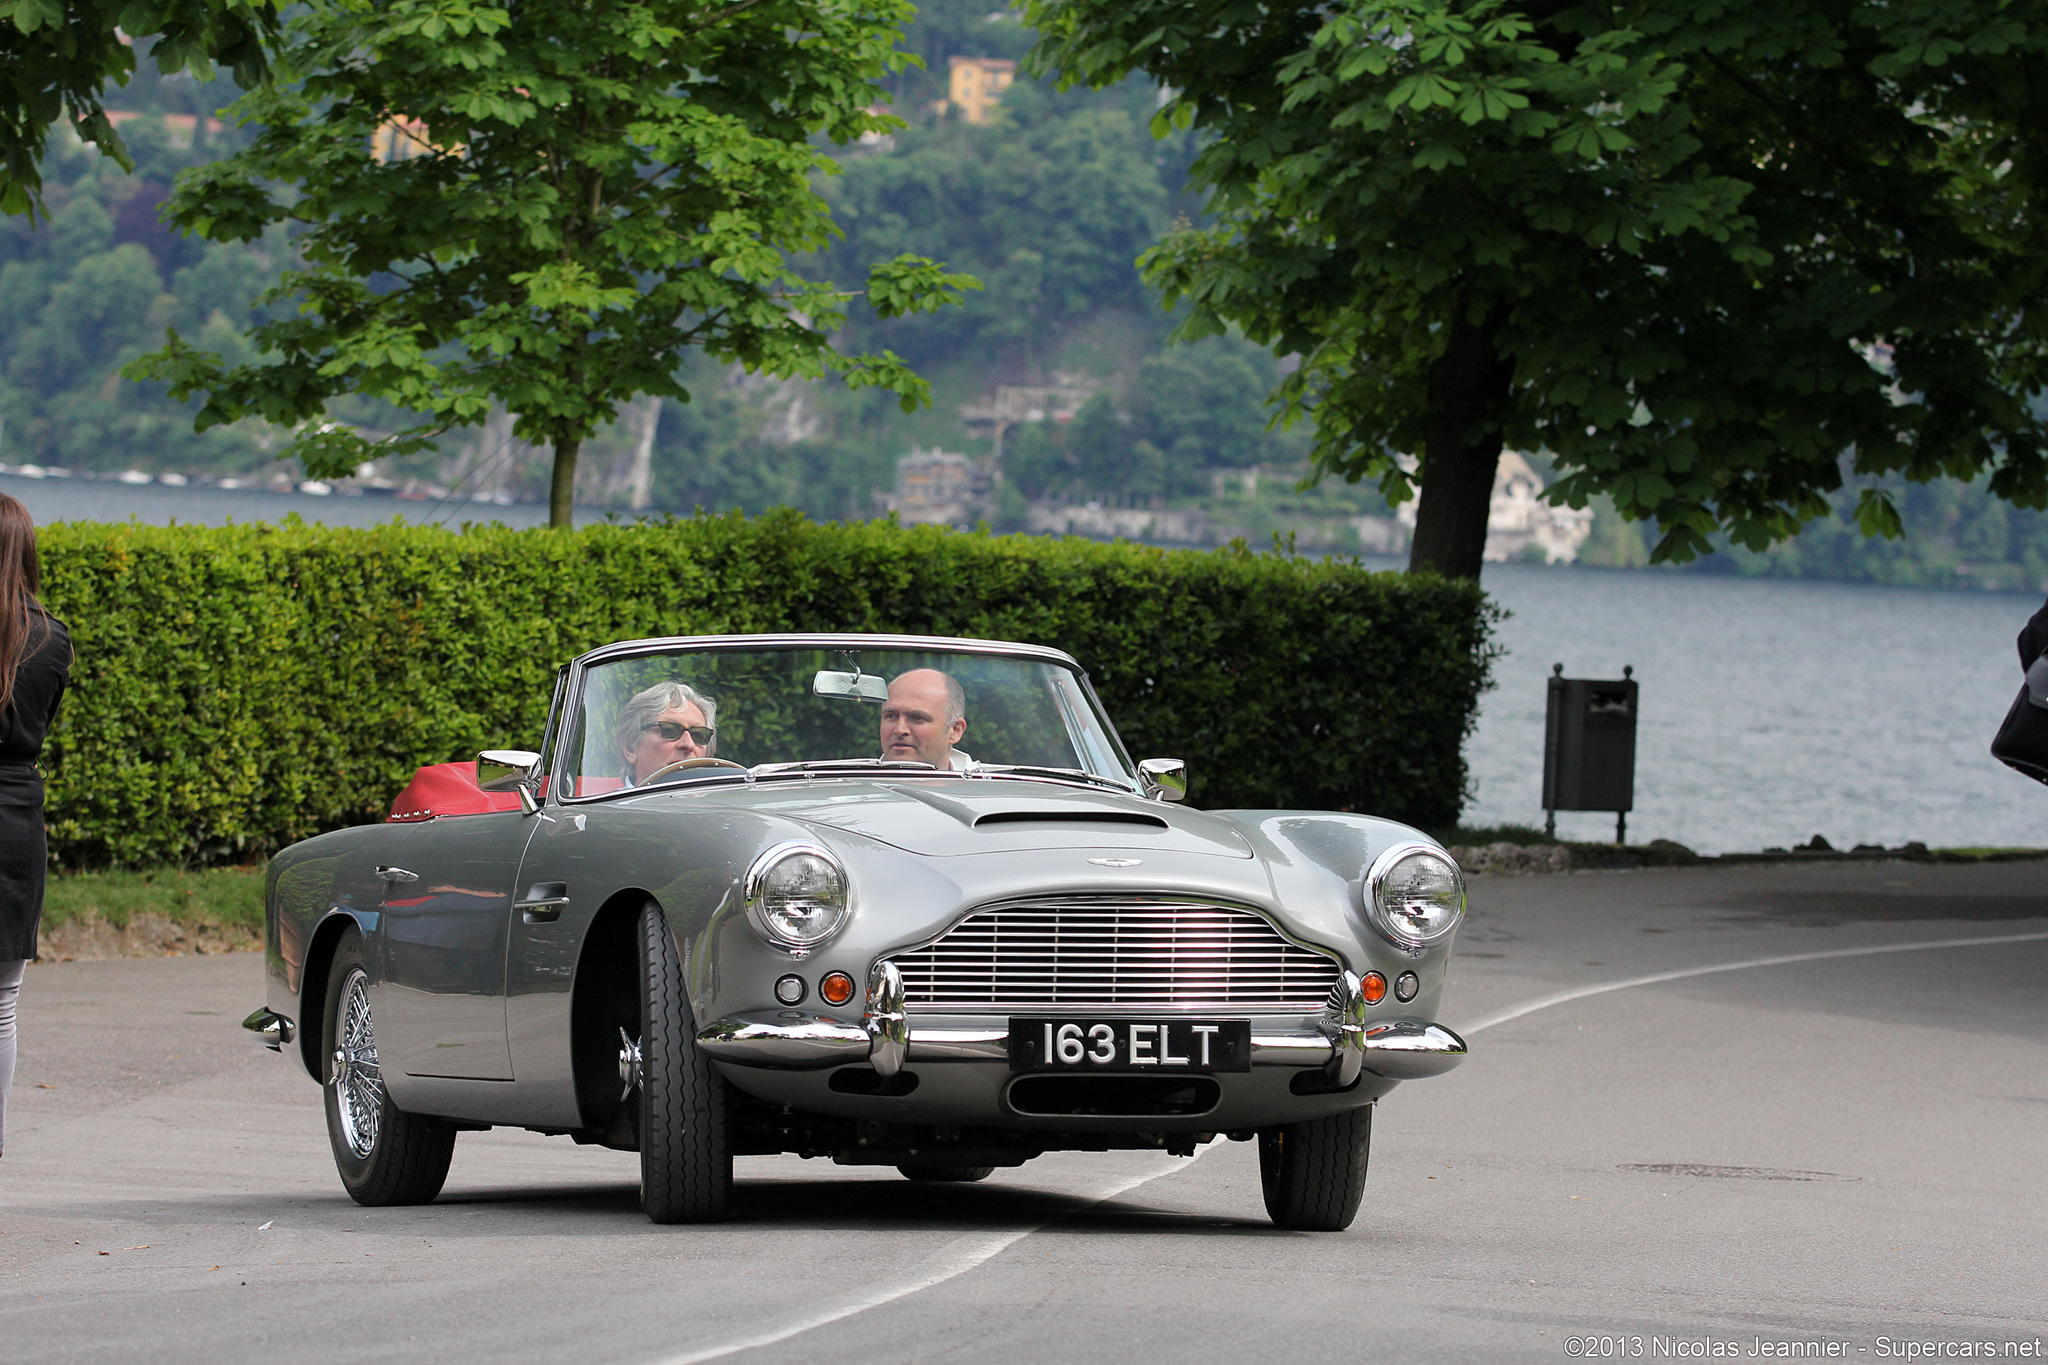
(888, 1027)
(1344, 1022)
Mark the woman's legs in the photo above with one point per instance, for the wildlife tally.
(10, 987)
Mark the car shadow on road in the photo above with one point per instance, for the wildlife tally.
(828, 1205)
(613, 1209)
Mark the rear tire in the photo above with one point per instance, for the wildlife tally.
(385, 1155)
(1314, 1172)
(957, 1175)
(685, 1143)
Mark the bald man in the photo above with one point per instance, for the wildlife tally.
(924, 717)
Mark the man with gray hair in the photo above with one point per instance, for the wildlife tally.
(924, 717)
(666, 724)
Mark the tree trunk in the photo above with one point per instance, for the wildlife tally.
(1468, 397)
(562, 491)
(640, 479)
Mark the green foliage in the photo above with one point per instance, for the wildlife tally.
(1049, 205)
(93, 286)
(243, 687)
(231, 897)
(1952, 535)
(1186, 412)
(1696, 251)
(599, 190)
(1614, 542)
(56, 57)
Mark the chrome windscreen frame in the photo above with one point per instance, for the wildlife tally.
(569, 696)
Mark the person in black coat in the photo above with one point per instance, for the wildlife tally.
(35, 664)
(2034, 639)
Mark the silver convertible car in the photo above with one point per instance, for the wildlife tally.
(891, 900)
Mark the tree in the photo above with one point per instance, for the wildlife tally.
(545, 206)
(56, 56)
(1049, 204)
(1698, 252)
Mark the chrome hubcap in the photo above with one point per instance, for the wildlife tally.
(358, 1080)
(629, 1064)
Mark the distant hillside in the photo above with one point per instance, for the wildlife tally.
(1048, 201)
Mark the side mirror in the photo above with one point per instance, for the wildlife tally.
(509, 770)
(1166, 779)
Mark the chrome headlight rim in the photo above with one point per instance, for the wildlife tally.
(1374, 884)
(755, 888)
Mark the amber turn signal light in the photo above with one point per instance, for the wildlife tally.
(837, 988)
(1373, 987)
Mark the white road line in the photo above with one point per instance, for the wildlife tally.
(972, 1251)
(1544, 1002)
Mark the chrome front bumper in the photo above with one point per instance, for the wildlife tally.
(1397, 1049)
(1344, 1041)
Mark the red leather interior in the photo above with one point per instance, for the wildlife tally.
(448, 789)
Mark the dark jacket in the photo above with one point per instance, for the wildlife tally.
(2034, 639)
(24, 847)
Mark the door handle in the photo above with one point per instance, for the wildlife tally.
(543, 902)
(397, 874)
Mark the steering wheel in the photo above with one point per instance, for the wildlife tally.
(685, 764)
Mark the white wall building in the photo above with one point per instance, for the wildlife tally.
(1517, 517)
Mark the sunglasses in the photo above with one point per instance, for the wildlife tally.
(673, 730)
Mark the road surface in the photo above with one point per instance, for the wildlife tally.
(1704, 1109)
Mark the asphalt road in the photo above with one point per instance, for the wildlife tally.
(1703, 1109)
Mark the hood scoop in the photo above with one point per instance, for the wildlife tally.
(1069, 817)
(1012, 816)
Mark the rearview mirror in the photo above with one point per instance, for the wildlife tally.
(1166, 779)
(854, 686)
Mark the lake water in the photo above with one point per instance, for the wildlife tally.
(1771, 710)
(76, 499)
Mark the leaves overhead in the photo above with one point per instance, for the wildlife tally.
(569, 198)
(56, 57)
(1725, 243)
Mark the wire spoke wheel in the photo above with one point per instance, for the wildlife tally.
(358, 1080)
(383, 1154)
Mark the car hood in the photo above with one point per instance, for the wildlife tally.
(955, 818)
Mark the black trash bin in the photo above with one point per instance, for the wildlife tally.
(1589, 748)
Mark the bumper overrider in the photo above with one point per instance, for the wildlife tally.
(273, 1030)
(1343, 1043)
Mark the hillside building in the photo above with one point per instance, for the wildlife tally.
(939, 488)
(975, 85)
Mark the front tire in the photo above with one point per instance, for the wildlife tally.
(685, 1141)
(1314, 1172)
(385, 1155)
(957, 1175)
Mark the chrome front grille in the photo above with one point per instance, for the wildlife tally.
(1115, 953)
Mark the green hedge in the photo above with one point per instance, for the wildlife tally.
(239, 688)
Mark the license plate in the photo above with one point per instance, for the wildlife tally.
(1168, 1045)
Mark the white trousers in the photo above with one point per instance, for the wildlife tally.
(10, 988)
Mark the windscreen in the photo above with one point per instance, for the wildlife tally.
(694, 715)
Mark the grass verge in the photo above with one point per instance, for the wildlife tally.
(229, 899)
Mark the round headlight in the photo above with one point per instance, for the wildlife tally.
(1414, 894)
(796, 895)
